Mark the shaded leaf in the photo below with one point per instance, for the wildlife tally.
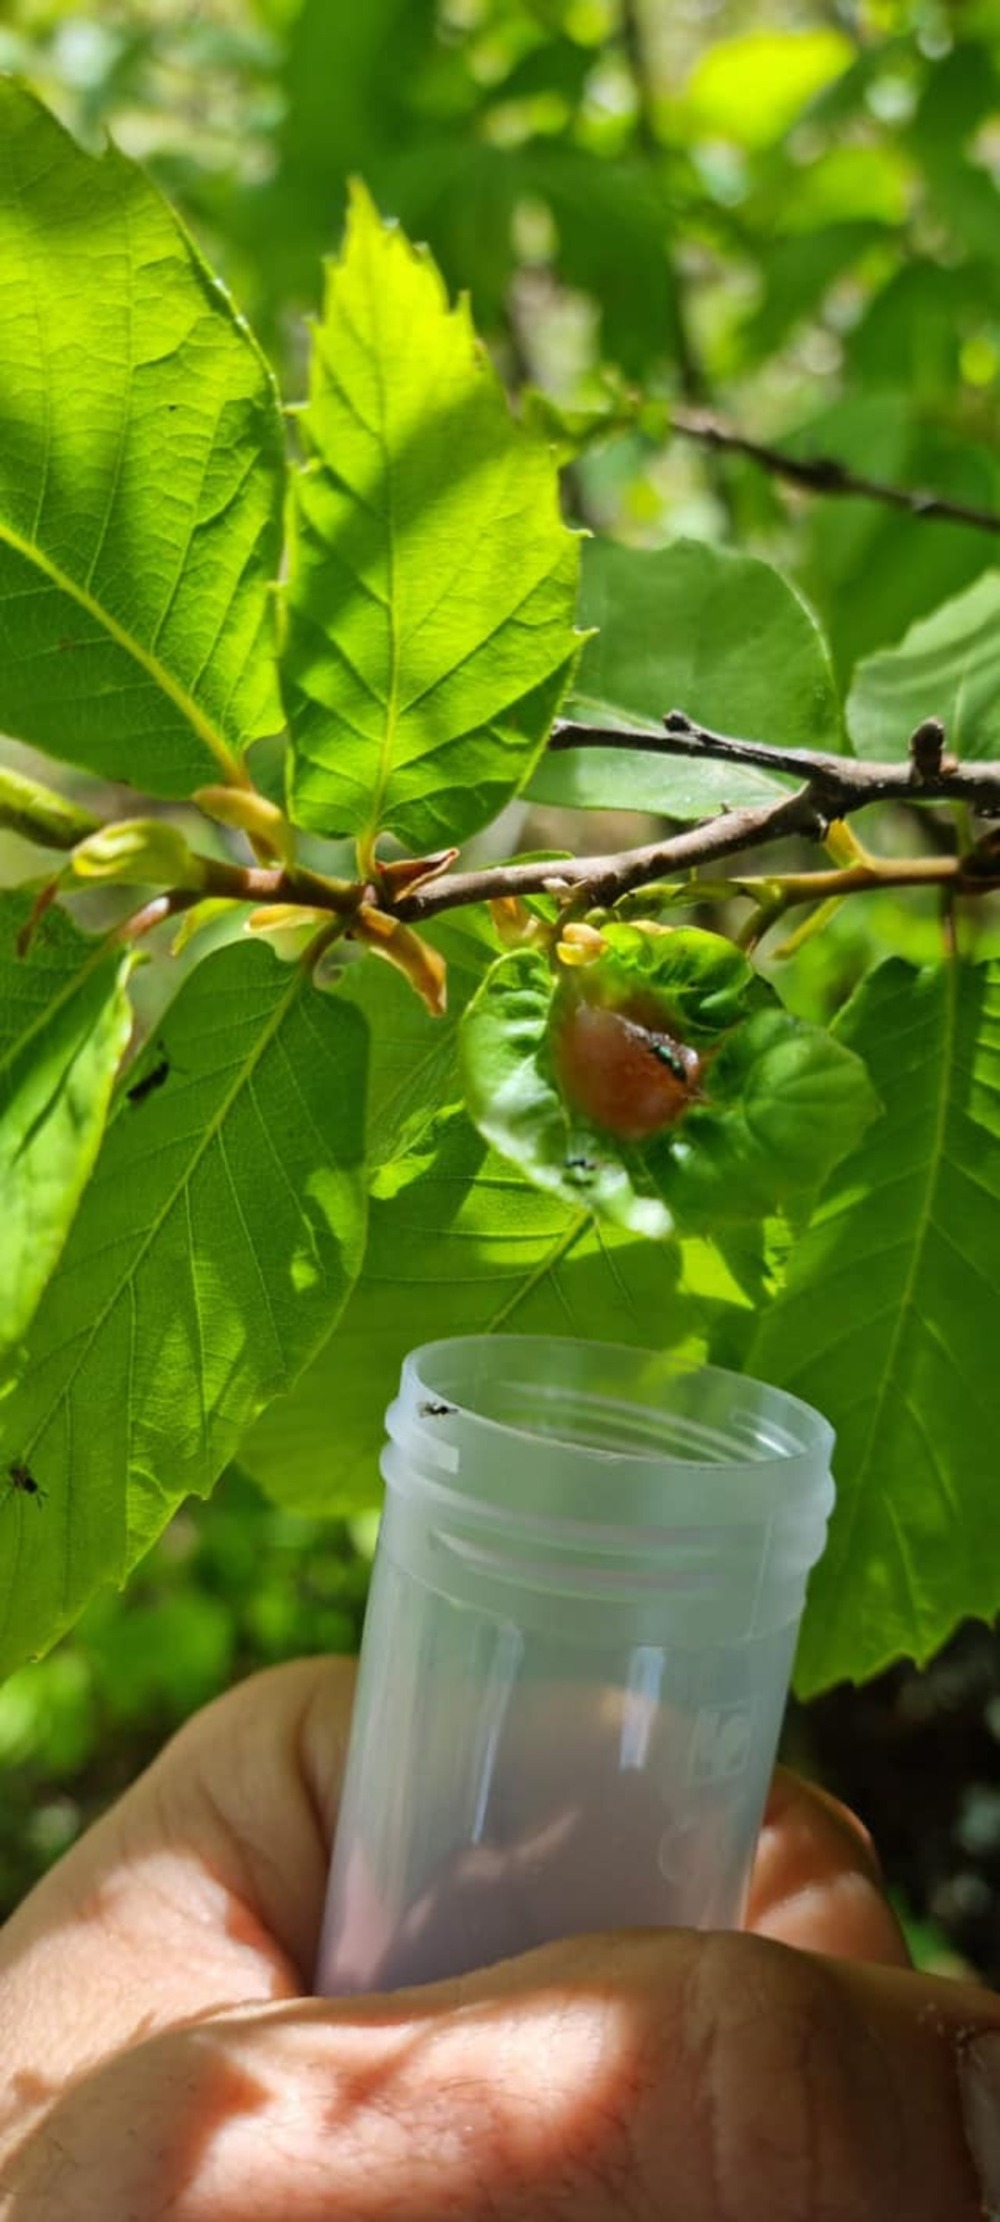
(65, 1020)
(690, 627)
(947, 666)
(870, 571)
(460, 1244)
(888, 1326)
(217, 1241)
(413, 1058)
(784, 1102)
(432, 585)
(140, 476)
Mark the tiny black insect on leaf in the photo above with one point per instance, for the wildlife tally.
(23, 1481)
(150, 1081)
(432, 1411)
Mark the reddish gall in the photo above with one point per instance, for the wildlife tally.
(625, 1075)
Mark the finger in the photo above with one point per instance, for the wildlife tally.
(204, 1884)
(700, 2078)
(816, 1881)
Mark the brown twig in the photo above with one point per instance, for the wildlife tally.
(824, 474)
(846, 782)
(602, 880)
(833, 787)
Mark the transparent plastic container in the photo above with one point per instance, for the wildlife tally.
(585, 1602)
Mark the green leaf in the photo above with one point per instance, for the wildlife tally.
(689, 627)
(513, 1097)
(777, 1102)
(751, 88)
(870, 571)
(432, 586)
(947, 666)
(795, 274)
(850, 184)
(888, 1325)
(217, 1241)
(41, 815)
(784, 1102)
(65, 1020)
(140, 476)
(460, 1244)
(413, 1058)
(348, 93)
(913, 331)
(614, 221)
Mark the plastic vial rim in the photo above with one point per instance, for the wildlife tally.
(790, 1481)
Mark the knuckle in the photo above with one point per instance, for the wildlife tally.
(792, 2102)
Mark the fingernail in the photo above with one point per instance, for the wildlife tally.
(979, 2083)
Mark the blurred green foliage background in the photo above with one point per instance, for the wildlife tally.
(786, 214)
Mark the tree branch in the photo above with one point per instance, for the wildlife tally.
(823, 474)
(839, 784)
(834, 787)
(602, 880)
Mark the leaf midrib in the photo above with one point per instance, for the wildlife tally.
(386, 750)
(89, 963)
(144, 657)
(246, 1073)
(934, 1161)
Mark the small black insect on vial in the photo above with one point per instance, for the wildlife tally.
(22, 1479)
(435, 1411)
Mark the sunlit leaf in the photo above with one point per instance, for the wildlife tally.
(433, 583)
(752, 87)
(64, 1026)
(140, 476)
(217, 1241)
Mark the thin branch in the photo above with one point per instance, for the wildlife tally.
(834, 787)
(603, 879)
(823, 474)
(879, 872)
(844, 783)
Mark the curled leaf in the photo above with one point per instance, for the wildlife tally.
(580, 944)
(422, 966)
(250, 813)
(138, 852)
(514, 1098)
(406, 873)
(198, 919)
(515, 923)
(287, 927)
(38, 814)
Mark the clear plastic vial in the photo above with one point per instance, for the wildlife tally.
(584, 1607)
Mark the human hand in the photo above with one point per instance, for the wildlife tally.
(159, 2059)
